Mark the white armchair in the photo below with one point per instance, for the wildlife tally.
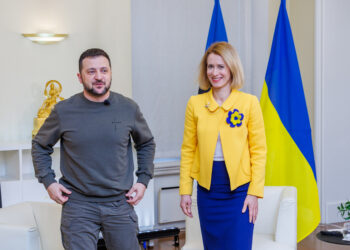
(275, 228)
(30, 226)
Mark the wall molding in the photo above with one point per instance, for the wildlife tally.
(167, 168)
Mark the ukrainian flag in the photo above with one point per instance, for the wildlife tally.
(217, 31)
(290, 157)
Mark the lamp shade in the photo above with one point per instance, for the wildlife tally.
(45, 38)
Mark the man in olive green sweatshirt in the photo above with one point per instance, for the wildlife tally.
(96, 189)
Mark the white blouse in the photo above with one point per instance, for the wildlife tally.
(218, 155)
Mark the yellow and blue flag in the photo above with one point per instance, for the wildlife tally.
(217, 31)
(290, 157)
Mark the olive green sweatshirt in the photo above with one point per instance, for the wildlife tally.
(96, 159)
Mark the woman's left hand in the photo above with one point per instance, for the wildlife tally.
(251, 202)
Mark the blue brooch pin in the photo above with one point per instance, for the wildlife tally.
(234, 118)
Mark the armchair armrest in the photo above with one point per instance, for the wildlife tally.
(19, 237)
(286, 226)
(193, 231)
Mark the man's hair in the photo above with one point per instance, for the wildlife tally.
(92, 53)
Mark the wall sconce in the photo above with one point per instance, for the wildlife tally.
(45, 38)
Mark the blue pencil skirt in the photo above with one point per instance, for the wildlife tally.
(223, 225)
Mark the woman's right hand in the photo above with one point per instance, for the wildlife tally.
(185, 205)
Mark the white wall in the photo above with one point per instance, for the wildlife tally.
(261, 43)
(302, 19)
(113, 33)
(26, 67)
(332, 103)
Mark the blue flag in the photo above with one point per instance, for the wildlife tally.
(217, 31)
(290, 156)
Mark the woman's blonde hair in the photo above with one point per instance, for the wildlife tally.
(231, 58)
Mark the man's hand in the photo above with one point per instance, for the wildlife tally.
(56, 191)
(185, 204)
(139, 190)
(251, 202)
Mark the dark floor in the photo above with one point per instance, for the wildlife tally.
(168, 243)
(313, 243)
(309, 243)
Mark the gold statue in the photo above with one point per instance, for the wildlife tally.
(51, 99)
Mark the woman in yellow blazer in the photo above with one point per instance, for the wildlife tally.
(224, 149)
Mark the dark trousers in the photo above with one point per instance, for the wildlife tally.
(82, 222)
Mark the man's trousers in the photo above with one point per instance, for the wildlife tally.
(82, 222)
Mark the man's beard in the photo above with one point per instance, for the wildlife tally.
(93, 92)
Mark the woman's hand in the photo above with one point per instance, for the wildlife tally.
(185, 205)
(251, 202)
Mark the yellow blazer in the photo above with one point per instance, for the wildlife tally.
(244, 146)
